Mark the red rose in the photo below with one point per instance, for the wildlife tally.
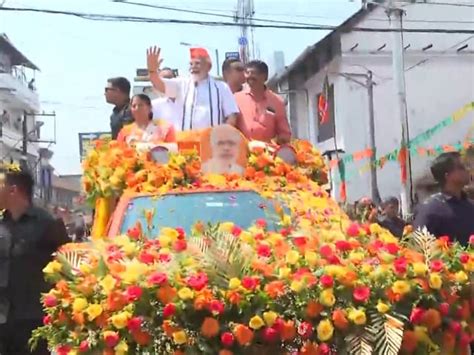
(146, 258)
(63, 349)
(392, 248)
(134, 233)
(198, 281)
(416, 315)
(261, 223)
(164, 258)
(227, 339)
(158, 278)
(181, 233)
(134, 324)
(47, 319)
(343, 245)
(455, 327)
(436, 265)
(300, 241)
(305, 329)
(327, 281)
(353, 230)
(285, 232)
(361, 293)
(333, 259)
(111, 339)
(134, 293)
(50, 301)
(325, 251)
(169, 310)
(464, 258)
(324, 349)
(445, 240)
(270, 335)
(180, 245)
(444, 309)
(84, 346)
(216, 307)
(471, 239)
(250, 283)
(264, 250)
(400, 266)
(464, 339)
(236, 231)
(259, 237)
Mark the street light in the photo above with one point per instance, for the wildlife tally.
(216, 51)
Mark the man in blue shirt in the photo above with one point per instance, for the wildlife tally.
(449, 212)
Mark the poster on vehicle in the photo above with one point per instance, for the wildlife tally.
(86, 141)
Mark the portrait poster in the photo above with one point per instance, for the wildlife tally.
(224, 150)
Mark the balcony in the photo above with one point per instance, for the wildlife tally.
(15, 93)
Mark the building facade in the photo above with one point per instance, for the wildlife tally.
(439, 74)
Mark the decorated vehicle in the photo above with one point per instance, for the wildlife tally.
(255, 258)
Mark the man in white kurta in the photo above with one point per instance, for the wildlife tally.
(204, 101)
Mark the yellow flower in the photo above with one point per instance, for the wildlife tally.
(134, 270)
(129, 248)
(356, 256)
(247, 238)
(79, 305)
(325, 330)
(383, 307)
(357, 316)
(121, 348)
(165, 240)
(375, 228)
(401, 287)
(53, 267)
(435, 281)
(311, 257)
(93, 311)
(256, 323)
(461, 277)
(185, 294)
(85, 268)
(284, 272)
(179, 337)
(120, 320)
(297, 286)
(108, 284)
(366, 268)
(420, 269)
(226, 227)
(270, 318)
(327, 298)
(469, 266)
(286, 220)
(234, 283)
(292, 257)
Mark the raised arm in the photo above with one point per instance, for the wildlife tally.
(153, 62)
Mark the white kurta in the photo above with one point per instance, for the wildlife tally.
(169, 110)
(204, 104)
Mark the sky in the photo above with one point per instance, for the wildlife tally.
(77, 56)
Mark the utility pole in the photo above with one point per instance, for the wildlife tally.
(369, 85)
(24, 146)
(398, 63)
(244, 13)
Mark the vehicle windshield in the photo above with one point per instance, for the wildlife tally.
(242, 208)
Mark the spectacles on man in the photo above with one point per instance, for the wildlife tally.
(109, 89)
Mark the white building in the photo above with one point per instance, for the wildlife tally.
(439, 72)
(18, 97)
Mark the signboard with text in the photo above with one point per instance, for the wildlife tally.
(86, 141)
(232, 55)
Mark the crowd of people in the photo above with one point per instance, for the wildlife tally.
(198, 101)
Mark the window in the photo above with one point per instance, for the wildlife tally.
(326, 130)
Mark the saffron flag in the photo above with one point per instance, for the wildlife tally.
(323, 105)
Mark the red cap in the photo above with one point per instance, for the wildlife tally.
(199, 53)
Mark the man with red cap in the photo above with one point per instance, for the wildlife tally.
(205, 102)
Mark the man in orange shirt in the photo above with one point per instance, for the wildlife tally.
(263, 113)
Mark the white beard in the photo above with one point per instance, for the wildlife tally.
(198, 77)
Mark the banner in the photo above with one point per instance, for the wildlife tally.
(87, 139)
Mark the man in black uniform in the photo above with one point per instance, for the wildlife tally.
(449, 212)
(28, 237)
(117, 93)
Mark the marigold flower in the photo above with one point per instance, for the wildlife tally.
(313, 309)
(210, 327)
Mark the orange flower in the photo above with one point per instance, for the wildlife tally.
(465, 310)
(431, 319)
(410, 341)
(102, 320)
(141, 337)
(78, 318)
(250, 173)
(348, 278)
(309, 349)
(168, 328)
(226, 352)
(234, 297)
(210, 327)
(262, 267)
(392, 296)
(166, 294)
(275, 289)
(313, 309)
(116, 301)
(339, 319)
(243, 334)
(288, 331)
(449, 341)
(203, 298)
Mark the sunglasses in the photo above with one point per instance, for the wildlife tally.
(110, 89)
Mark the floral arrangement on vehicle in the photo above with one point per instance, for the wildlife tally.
(224, 290)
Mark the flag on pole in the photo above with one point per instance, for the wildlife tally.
(323, 105)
